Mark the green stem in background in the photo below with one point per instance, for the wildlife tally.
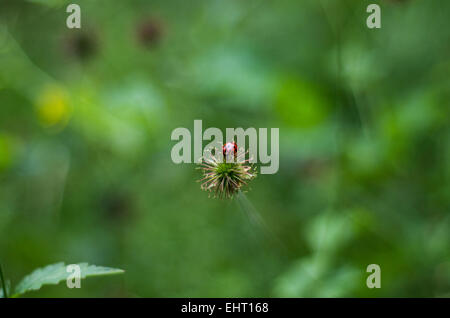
(5, 293)
(256, 219)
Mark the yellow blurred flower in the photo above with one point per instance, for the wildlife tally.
(53, 107)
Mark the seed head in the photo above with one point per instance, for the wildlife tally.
(226, 172)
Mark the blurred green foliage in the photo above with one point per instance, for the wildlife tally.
(85, 167)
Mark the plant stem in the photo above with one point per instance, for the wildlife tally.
(5, 293)
(256, 219)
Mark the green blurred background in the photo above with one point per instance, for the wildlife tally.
(85, 167)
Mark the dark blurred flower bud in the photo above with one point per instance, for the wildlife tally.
(81, 45)
(149, 32)
(117, 206)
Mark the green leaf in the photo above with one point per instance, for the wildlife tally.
(55, 273)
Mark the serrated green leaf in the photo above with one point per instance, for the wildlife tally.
(55, 273)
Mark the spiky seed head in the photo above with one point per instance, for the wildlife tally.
(224, 176)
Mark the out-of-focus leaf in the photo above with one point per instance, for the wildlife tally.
(301, 104)
(303, 276)
(328, 232)
(340, 283)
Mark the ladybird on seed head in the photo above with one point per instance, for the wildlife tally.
(229, 147)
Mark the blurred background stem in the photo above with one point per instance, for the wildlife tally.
(257, 221)
(5, 293)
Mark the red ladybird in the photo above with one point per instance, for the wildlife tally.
(229, 147)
